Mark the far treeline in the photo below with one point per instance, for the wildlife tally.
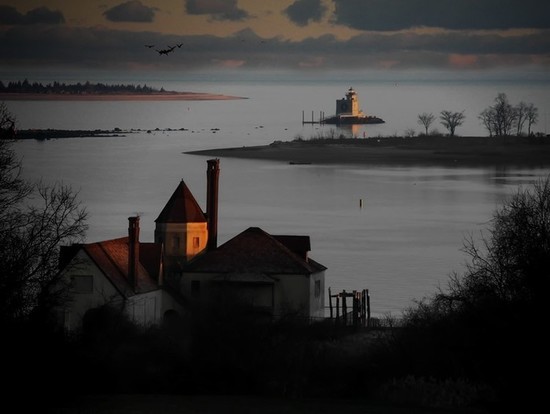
(75, 88)
(500, 119)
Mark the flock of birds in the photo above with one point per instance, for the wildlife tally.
(170, 49)
(166, 51)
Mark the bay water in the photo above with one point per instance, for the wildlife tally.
(395, 230)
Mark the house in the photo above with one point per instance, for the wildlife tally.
(123, 273)
(184, 269)
(266, 273)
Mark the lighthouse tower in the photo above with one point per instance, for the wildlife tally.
(348, 106)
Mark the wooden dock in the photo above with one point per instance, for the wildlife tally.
(321, 119)
(356, 313)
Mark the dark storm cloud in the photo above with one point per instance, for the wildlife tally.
(218, 9)
(41, 15)
(99, 47)
(302, 12)
(131, 11)
(387, 15)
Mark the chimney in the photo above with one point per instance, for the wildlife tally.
(213, 177)
(133, 250)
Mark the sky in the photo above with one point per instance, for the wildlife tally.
(297, 35)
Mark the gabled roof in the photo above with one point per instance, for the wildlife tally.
(253, 252)
(297, 244)
(181, 208)
(111, 257)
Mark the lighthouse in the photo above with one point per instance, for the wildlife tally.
(349, 105)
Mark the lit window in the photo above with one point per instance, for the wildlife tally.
(196, 242)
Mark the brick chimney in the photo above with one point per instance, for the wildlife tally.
(213, 178)
(133, 250)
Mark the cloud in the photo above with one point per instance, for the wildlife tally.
(131, 11)
(390, 15)
(302, 12)
(64, 46)
(41, 15)
(218, 9)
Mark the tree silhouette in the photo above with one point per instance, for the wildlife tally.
(426, 120)
(452, 120)
(35, 219)
(486, 325)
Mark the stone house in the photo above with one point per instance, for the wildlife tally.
(184, 270)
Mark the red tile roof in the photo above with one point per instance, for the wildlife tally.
(111, 256)
(254, 252)
(181, 208)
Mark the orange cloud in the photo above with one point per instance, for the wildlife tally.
(462, 61)
(229, 63)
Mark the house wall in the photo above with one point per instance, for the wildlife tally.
(317, 295)
(101, 291)
(149, 308)
(290, 294)
(143, 309)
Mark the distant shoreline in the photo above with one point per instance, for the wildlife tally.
(529, 152)
(154, 96)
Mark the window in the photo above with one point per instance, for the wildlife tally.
(176, 244)
(83, 284)
(196, 242)
(195, 288)
(317, 288)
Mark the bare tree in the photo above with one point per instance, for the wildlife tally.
(425, 119)
(7, 123)
(504, 115)
(532, 115)
(35, 219)
(511, 264)
(452, 120)
(487, 117)
(521, 116)
(501, 118)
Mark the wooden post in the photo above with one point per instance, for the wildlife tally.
(330, 302)
(355, 309)
(344, 308)
(364, 307)
(303, 118)
(368, 308)
(312, 117)
(337, 309)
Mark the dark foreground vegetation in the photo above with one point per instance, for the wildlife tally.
(477, 345)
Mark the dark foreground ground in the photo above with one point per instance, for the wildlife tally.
(171, 404)
(447, 151)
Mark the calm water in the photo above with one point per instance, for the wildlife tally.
(402, 243)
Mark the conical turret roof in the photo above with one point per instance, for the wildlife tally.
(181, 208)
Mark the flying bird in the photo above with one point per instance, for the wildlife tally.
(149, 46)
(165, 51)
